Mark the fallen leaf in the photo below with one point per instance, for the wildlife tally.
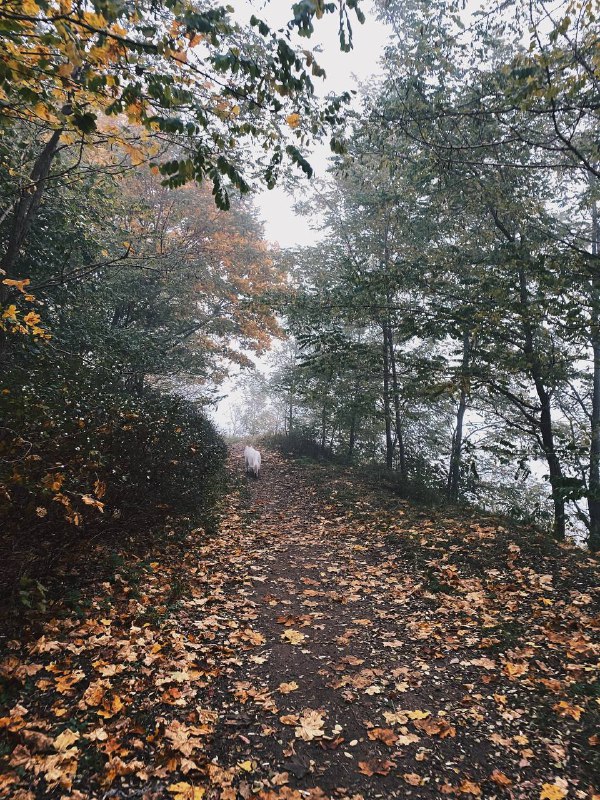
(500, 778)
(186, 791)
(385, 735)
(310, 725)
(407, 738)
(292, 636)
(375, 767)
(515, 670)
(417, 714)
(552, 791)
(286, 688)
(565, 709)
(65, 739)
(436, 726)
(469, 787)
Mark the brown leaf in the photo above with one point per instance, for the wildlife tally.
(564, 709)
(515, 670)
(38, 742)
(94, 693)
(385, 735)
(286, 688)
(375, 766)
(436, 726)
(500, 778)
(331, 744)
(469, 787)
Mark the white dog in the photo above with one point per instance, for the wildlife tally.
(252, 459)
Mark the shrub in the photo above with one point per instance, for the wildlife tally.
(81, 454)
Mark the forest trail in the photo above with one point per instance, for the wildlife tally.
(332, 641)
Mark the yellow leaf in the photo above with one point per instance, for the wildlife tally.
(292, 636)
(245, 765)
(31, 319)
(293, 120)
(43, 112)
(185, 791)
(417, 714)
(65, 739)
(551, 791)
(20, 285)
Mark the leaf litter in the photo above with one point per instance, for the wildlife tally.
(331, 642)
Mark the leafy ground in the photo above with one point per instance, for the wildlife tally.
(331, 642)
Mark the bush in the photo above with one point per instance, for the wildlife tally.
(80, 454)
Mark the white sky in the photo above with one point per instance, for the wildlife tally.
(345, 71)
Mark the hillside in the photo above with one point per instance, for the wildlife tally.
(331, 641)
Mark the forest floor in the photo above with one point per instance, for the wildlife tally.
(332, 641)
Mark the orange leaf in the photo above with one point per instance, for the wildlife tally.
(385, 735)
(565, 709)
(469, 787)
(500, 778)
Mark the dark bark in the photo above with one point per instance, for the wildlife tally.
(457, 439)
(545, 418)
(594, 476)
(29, 203)
(290, 414)
(323, 427)
(352, 440)
(396, 398)
(389, 444)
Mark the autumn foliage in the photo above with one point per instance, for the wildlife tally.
(333, 642)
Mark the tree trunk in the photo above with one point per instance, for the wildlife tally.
(457, 439)
(352, 441)
(389, 444)
(29, 203)
(290, 414)
(396, 397)
(323, 427)
(594, 476)
(546, 428)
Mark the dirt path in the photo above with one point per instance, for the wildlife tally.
(332, 642)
